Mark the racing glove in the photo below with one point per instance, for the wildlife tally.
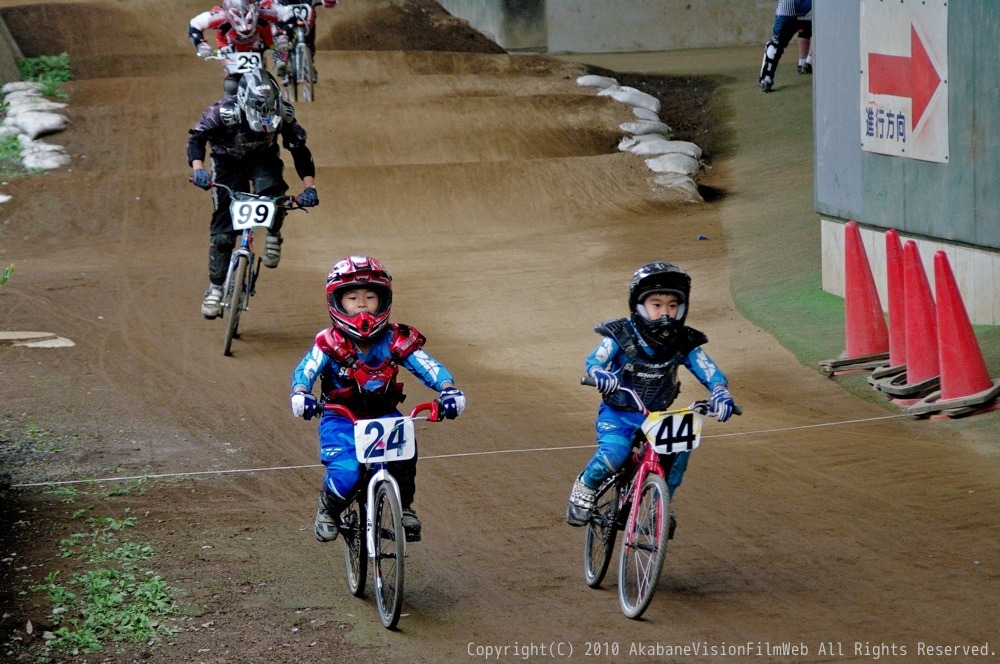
(329, 4)
(452, 402)
(308, 198)
(204, 49)
(606, 381)
(201, 179)
(722, 403)
(303, 405)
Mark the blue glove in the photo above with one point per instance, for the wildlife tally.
(303, 405)
(452, 402)
(308, 198)
(607, 382)
(202, 179)
(722, 403)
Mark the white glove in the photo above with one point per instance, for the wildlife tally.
(303, 404)
(204, 49)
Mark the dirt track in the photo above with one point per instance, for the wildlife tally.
(491, 187)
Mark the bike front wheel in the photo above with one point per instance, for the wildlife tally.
(644, 548)
(304, 73)
(237, 291)
(389, 552)
(352, 527)
(599, 541)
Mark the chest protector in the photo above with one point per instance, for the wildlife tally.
(653, 378)
(370, 391)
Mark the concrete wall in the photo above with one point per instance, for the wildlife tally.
(611, 26)
(9, 55)
(953, 206)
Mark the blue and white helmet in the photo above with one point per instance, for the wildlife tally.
(259, 99)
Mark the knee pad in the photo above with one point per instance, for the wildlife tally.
(224, 242)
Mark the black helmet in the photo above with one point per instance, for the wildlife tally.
(659, 277)
(259, 99)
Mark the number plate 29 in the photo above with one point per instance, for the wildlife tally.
(670, 432)
(385, 439)
(240, 62)
(252, 214)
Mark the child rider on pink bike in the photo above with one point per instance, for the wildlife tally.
(642, 352)
(356, 361)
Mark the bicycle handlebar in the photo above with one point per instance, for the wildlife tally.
(286, 202)
(433, 409)
(702, 406)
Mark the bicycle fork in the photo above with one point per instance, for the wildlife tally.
(379, 476)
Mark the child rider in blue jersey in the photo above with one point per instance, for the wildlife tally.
(642, 352)
(357, 360)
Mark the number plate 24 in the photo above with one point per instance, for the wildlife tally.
(673, 431)
(384, 439)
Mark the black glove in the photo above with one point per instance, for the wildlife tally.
(308, 198)
(202, 179)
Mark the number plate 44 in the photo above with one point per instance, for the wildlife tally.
(673, 431)
(384, 440)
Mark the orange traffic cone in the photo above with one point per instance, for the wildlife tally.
(897, 311)
(965, 382)
(896, 296)
(865, 330)
(922, 373)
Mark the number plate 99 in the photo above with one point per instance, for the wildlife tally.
(251, 214)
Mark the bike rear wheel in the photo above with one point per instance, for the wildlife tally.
(352, 528)
(389, 552)
(234, 297)
(644, 547)
(599, 542)
(304, 73)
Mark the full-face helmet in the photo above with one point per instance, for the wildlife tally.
(259, 100)
(242, 16)
(659, 277)
(359, 272)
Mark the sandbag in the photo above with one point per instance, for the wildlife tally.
(34, 125)
(674, 162)
(594, 81)
(632, 97)
(646, 127)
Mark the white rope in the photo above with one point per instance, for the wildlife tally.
(435, 456)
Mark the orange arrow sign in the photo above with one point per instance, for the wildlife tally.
(900, 76)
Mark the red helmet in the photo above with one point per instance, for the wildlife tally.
(242, 16)
(359, 272)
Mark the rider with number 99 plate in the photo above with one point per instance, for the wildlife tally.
(243, 132)
(357, 360)
(643, 352)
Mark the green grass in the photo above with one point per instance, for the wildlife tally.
(9, 270)
(115, 598)
(10, 166)
(50, 71)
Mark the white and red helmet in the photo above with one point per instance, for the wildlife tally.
(359, 272)
(242, 16)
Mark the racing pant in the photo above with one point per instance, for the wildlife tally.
(265, 173)
(616, 429)
(343, 471)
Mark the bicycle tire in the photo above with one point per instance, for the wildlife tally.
(304, 73)
(644, 547)
(352, 527)
(234, 299)
(599, 541)
(389, 555)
